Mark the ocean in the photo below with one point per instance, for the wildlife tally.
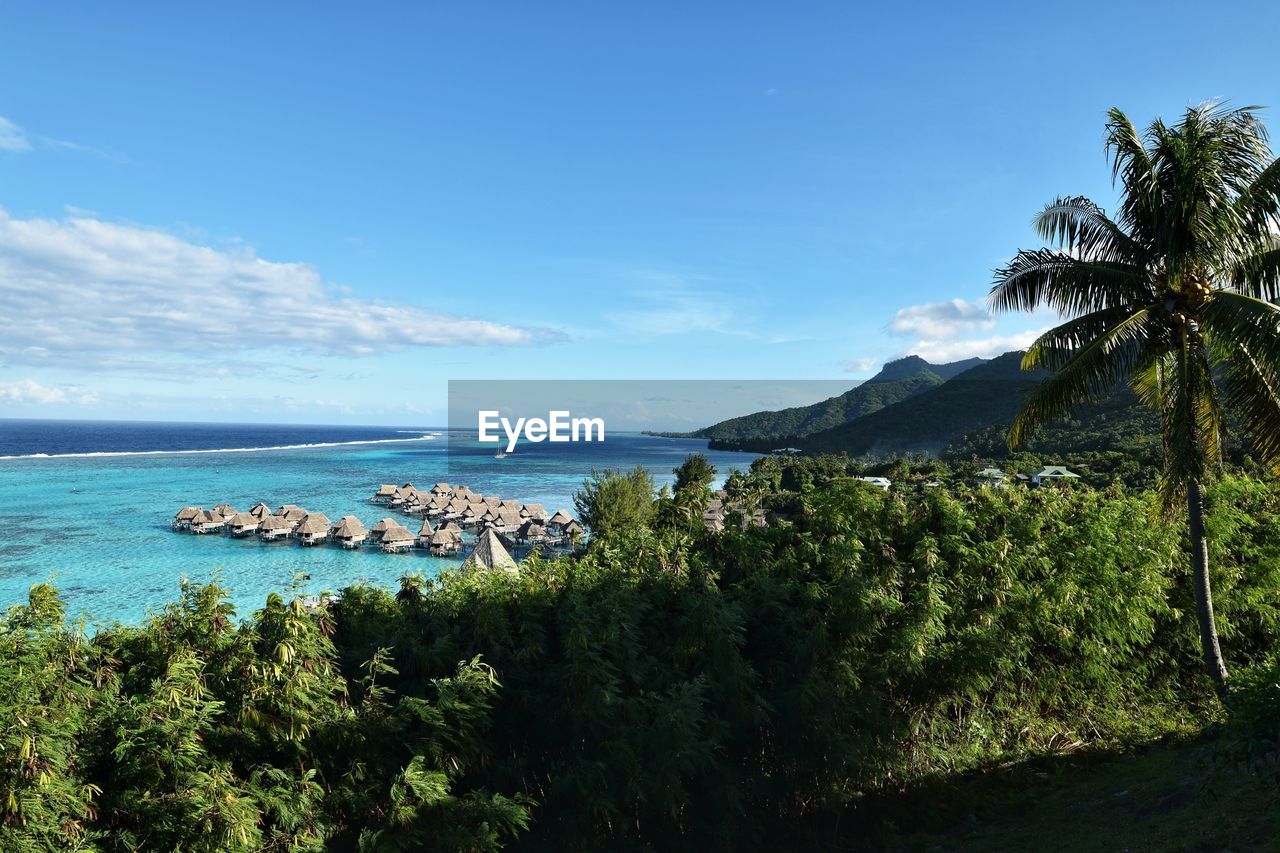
(87, 504)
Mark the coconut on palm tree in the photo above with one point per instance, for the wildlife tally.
(1173, 295)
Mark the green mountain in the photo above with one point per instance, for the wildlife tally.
(897, 381)
(989, 393)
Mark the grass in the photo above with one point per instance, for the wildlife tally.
(1165, 797)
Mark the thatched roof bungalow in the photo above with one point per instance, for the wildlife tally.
(384, 494)
(274, 527)
(260, 511)
(225, 510)
(313, 529)
(207, 521)
(397, 539)
(243, 524)
(379, 530)
(348, 532)
(533, 511)
(488, 554)
(424, 534)
(441, 490)
(531, 531)
(443, 542)
(183, 518)
(291, 512)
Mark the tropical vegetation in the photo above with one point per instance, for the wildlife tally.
(1173, 296)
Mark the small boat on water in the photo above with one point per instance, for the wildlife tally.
(499, 455)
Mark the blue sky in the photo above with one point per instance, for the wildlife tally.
(321, 213)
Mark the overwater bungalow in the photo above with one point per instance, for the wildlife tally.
(313, 529)
(441, 490)
(507, 520)
(573, 530)
(443, 542)
(397, 539)
(260, 511)
(274, 527)
(207, 521)
(491, 500)
(436, 506)
(424, 534)
(348, 532)
(472, 515)
(291, 512)
(182, 520)
(455, 508)
(243, 524)
(384, 494)
(225, 510)
(379, 530)
(533, 511)
(488, 554)
(405, 494)
(509, 504)
(531, 531)
(463, 492)
(556, 523)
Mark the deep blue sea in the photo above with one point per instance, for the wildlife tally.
(88, 503)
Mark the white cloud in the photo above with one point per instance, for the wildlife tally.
(940, 352)
(941, 320)
(30, 391)
(13, 137)
(82, 286)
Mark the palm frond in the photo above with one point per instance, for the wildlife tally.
(1056, 347)
(1083, 229)
(1258, 274)
(1131, 165)
(1045, 277)
(1090, 372)
(1244, 335)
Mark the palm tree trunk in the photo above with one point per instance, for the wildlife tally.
(1204, 595)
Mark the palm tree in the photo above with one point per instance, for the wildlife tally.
(1173, 296)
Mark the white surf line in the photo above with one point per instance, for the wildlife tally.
(215, 449)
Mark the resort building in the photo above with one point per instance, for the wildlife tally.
(533, 511)
(207, 521)
(1052, 474)
(444, 542)
(424, 534)
(225, 510)
(182, 520)
(379, 530)
(384, 494)
(274, 527)
(313, 529)
(488, 554)
(441, 490)
(260, 511)
(291, 512)
(243, 524)
(556, 523)
(531, 532)
(397, 539)
(878, 482)
(993, 477)
(348, 532)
